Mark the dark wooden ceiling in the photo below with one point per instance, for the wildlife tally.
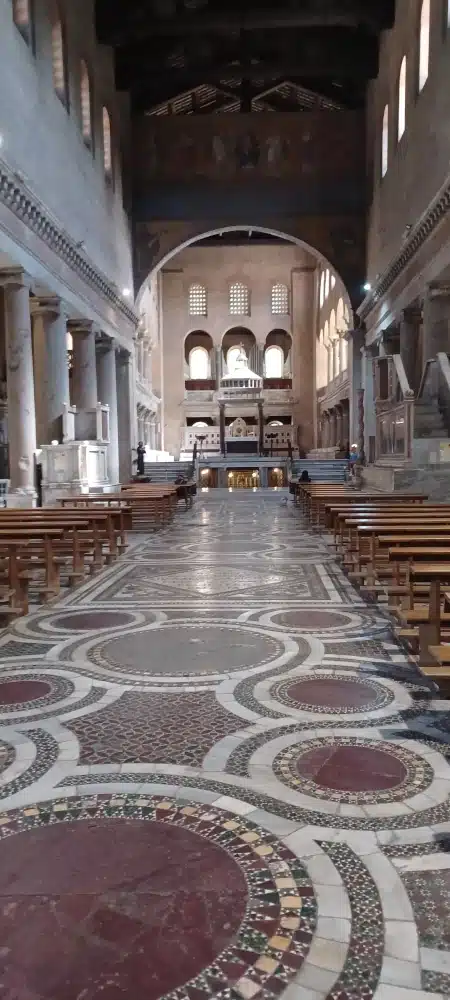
(203, 56)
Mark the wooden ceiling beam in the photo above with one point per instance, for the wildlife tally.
(120, 23)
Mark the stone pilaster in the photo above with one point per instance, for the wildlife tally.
(410, 351)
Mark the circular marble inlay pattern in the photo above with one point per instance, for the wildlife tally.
(30, 692)
(149, 895)
(175, 648)
(7, 756)
(332, 694)
(16, 691)
(91, 620)
(348, 769)
(312, 621)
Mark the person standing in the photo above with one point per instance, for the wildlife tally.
(139, 461)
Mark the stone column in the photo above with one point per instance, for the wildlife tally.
(20, 381)
(339, 422)
(107, 391)
(436, 321)
(303, 341)
(127, 421)
(218, 351)
(410, 321)
(367, 380)
(260, 368)
(51, 368)
(84, 379)
(333, 428)
(356, 343)
(222, 428)
(260, 427)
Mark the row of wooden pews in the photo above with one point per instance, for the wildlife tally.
(150, 507)
(396, 548)
(44, 549)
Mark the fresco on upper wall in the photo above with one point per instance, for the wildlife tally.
(264, 145)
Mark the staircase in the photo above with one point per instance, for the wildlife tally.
(321, 470)
(166, 472)
(428, 420)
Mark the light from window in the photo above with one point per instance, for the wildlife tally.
(59, 61)
(232, 356)
(424, 43)
(402, 99)
(107, 145)
(239, 299)
(326, 333)
(22, 18)
(199, 363)
(385, 142)
(197, 300)
(448, 13)
(333, 281)
(327, 284)
(322, 284)
(280, 300)
(85, 95)
(274, 362)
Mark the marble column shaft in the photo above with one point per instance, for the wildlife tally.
(84, 389)
(51, 368)
(107, 391)
(20, 380)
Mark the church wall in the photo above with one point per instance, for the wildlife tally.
(43, 142)
(418, 165)
(259, 267)
(303, 174)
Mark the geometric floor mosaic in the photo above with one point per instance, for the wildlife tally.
(221, 777)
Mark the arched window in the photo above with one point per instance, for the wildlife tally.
(59, 63)
(385, 142)
(344, 354)
(239, 299)
(22, 19)
(322, 284)
(402, 99)
(85, 99)
(424, 43)
(280, 300)
(232, 356)
(274, 362)
(448, 14)
(327, 284)
(198, 363)
(340, 321)
(200, 423)
(107, 146)
(276, 423)
(197, 300)
(333, 281)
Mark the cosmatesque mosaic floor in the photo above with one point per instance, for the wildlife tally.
(221, 777)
